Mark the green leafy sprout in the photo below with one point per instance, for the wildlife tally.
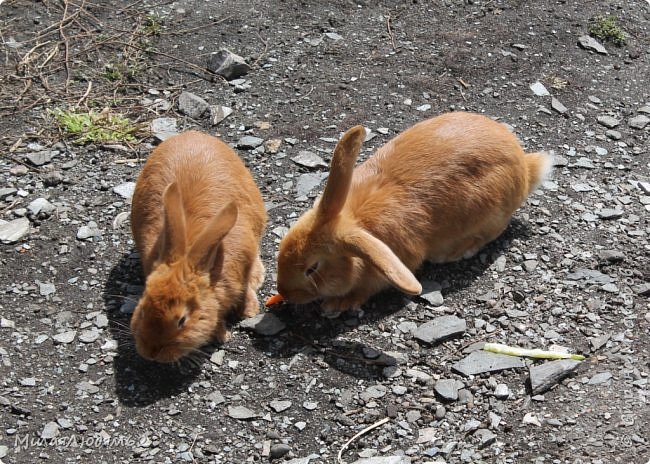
(605, 28)
(93, 127)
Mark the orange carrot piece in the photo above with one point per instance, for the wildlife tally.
(275, 299)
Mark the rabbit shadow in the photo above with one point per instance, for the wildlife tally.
(310, 334)
(139, 382)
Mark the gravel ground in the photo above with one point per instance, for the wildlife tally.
(407, 374)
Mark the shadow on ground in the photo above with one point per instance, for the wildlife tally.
(140, 382)
(313, 335)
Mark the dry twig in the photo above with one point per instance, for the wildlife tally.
(363, 432)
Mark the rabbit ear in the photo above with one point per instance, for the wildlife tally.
(173, 237)
(206, 253)
(340, 177)
(371, 249)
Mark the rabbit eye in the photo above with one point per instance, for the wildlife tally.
(181, 321)
(311, 269)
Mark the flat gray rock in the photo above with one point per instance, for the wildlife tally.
(590, 276)
(41, 207)
(308, 182)
(600, 378)
(280, 405)
(163, 128)
(447, 389)
(227, 64)
(7, 191)
(610, 213)
(89, 231)
(241, 413)
(65, 337)
(216, 397)
(264, 324)
(46, 288)
(39, 158)
(248, 142)
(384, 460)
(539, 89)
(218, 113)
(479, 362)
(441, 328)
(558, 106)
(125, 190)
(609, 122)
(546, 375)
(639, 122)
(192, 105)
(308, 159)
(13, 231)
(50, 431)
(589, 43)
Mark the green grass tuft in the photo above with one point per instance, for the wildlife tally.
(92, 127)
(605, 28)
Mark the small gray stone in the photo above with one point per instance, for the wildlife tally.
(486, 437)
(375, 391)
(598, 342)
(308, 182)
(87, 387)
(125, 190)
(608, 121)
(590, 276)
(248, 142)
(278, 450)
(216, 397)
(639, 122)
(643, 289)
(28, 382)
(447, 389)
(501, 391)
(530, 265)
(308, 159)
(218, 113)
(610, 213)
(50, 431)
(4, 449)
(41, 207)
(384, 460)
(539, 89)
(589, 43)
(582, 187)
(163, 128)
(613, 134)
(192, 105)
(431, 292)
(227, 64)
(610, 288)
(13, 231)
(280, 405)
(40, 158)
(217, 357)
(241, 413)
(7, 191)
(479, 362)
(440, 329)
(558, 106)
(89, 336)
(266, 324)
(546, 375)
(46, 288)
(65, 337)
(600, 378)
(89, 231)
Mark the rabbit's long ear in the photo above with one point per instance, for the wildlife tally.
(206, 253)
(371, 249)
(340, 177)
(173, 236)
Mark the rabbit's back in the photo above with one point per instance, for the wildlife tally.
(209, 175)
